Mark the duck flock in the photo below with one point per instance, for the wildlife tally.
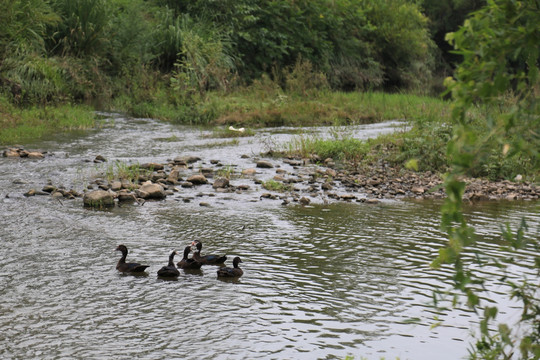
(187, 263)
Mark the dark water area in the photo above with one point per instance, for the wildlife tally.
(320, 282)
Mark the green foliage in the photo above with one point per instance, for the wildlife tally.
(205, 61)
(401, 39)
(84, 28)
(499, 46)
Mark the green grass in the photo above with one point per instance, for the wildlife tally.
(122, 171)
(18, 126)
(341, 148)
(273, 185)
(227, 172)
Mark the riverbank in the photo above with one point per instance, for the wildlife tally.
(289, 180)
(23, 125)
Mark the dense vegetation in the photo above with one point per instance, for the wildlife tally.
(173, 51)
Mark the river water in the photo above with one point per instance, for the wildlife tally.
(325, 281)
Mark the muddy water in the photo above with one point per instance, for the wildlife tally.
(321, 282)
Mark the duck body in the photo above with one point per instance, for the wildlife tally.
(170, 270)
(187, 263)
(233, 272)
(125, 267)
(207, 259)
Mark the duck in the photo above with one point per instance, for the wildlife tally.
(229, 272)
(170, 270)
(207, 259)
(186, 263)
(125, 267)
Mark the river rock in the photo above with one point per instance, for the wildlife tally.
(31, 192)
(34, 155)
(152, 166)
(184, 160)
(174, 175)
(264, 164)
(99, 159)
(98, 198)
(116, 185)
(57, 194)
(326, 186)
(125, 196)
(249, 172)
(11, 153)
(49, 188)
(151, 191)
(186, 184)
(304, 200)
(197, 179)
(348, 197)
(220, 183)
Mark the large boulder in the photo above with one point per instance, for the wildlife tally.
(98, 198)
(151, 191)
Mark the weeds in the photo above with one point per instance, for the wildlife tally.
(125, 172)
(273, 185)
(226, 172)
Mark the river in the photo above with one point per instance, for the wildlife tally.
(324, 281)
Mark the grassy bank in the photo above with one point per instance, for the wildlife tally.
(19, 126)
(423, 147)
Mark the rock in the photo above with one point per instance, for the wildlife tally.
(49, 188)
(197, 179)
(372, 201)
(11, 153)
(35, 155)
(220, 183)
(98, 198)
(249, 172)
(418, 190)
(31, 192)
(512, 196)
(293, 162)
(329, 162)
(326, 186)
(348, 197)
(152, 166)
(124, 196)
(204, 203)
(116, 185)
(99, 159)
(264, 164)
(151, 191)
(304, 200)
(159, 175)
(186, 184)
(174, 175)
(184, 160)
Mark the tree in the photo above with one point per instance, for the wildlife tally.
(500, 69)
